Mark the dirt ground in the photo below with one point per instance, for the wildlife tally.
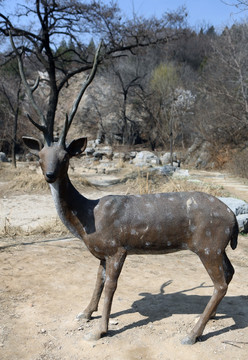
(45, 282)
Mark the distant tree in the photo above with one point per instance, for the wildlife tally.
(225, 87)
(128, 75)
(193, 49)
(91, 49)
(164, 82)
(211, 31)
(11, 95)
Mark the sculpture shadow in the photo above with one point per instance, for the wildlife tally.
(158, 306)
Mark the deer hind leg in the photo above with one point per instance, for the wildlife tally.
(113, 269)
(228, 272)
(221, 271)
(93, 305)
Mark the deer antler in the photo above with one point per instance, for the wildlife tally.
(64, 132)
(75, 105)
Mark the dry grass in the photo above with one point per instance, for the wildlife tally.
(22, 179)
(147, 183)
(80, 182)
(183, 184)
(49, 228)
(25, 180)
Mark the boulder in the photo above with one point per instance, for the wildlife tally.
(240, 209)
(101, 151)
(234, 204)
(145, 158)
(243, 209)
(165, 159)
(167, 170)
(243, 223)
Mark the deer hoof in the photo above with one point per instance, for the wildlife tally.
(93, 336)
(188, 340)
(83, 315)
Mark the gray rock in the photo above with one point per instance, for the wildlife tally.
(106, 151)
(243, 209)
(243, 223)
(234, 204)
(98, 155)
(165, 159)
(102, 151)
(240, 209)
(89, 151)
(167, 170)
(145, 158)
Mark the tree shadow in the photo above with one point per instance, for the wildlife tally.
(156, 307)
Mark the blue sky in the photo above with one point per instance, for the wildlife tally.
(200, 12)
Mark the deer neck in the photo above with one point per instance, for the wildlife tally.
(71, 206)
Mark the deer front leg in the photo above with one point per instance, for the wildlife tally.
(113, 270)
(93, 305)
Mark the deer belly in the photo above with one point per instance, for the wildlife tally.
(155, 238)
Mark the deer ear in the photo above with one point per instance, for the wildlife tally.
(76, 147)
(34, 145)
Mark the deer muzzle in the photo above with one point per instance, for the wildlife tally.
(50, 177)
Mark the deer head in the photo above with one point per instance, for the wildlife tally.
(54, 158)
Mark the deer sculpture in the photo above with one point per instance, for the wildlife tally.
(118, 225)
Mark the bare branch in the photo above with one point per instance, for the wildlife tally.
(26, 85)
(36, 84)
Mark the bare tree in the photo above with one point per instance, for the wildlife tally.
(10, 90)
(75, 21)
(128, 74)
(224, 91)
(240, 4)
(164, 83)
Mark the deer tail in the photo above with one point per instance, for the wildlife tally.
(234, 235)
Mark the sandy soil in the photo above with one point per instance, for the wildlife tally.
(46, 282)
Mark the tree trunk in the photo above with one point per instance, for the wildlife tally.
(13, 150)
(14, 137)
(171, 142)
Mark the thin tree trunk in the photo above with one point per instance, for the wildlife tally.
(171, 142)
(13, 150)
(16, 114)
